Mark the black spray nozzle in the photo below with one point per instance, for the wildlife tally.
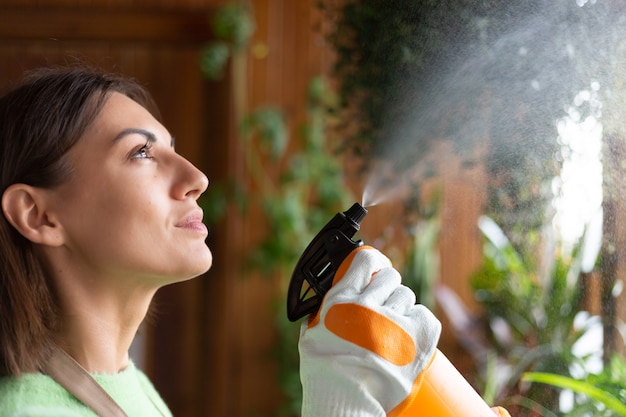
(313, 275)
(356, 214)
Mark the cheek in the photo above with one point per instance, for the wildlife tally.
(119, 229)
(108, 210)
(135, 209)
(113, 203)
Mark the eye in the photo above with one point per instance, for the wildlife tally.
(144, 152)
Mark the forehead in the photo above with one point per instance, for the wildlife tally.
(120, 110)
(117, 115)
(120, 113)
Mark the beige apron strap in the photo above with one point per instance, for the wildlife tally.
(67, 372)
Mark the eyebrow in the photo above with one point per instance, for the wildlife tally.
(146, 133)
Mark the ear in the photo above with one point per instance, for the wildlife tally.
(25, 209)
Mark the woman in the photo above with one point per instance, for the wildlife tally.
(98, 213)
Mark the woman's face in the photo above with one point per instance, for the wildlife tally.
(129, 210)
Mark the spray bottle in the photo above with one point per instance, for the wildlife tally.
(444, 391)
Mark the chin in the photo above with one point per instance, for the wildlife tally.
(201, 267)
(192, 268)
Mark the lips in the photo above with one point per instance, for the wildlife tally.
(193, 222)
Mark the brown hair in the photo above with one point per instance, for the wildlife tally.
(40, 120)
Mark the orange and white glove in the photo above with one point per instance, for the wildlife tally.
(363, 353)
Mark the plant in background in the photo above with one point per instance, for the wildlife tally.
(308, 192)
(600, 394)
(233, 27)
(535, 323)
(420, 266)
(310, 188)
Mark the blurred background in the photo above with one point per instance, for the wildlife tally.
(485, 138)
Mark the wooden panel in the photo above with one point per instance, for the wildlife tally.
(105, 24)
(166, 5)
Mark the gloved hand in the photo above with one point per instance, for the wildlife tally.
(363, 352)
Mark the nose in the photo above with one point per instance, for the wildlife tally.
(192, 182)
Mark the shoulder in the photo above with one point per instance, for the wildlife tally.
(152, 393)
(37, 395)
(134, 392)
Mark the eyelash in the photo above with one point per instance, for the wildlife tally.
(144, 152)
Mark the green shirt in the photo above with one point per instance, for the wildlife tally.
(38, 395)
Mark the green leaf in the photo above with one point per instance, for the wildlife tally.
(269, 124)
(581, 387)
(233, 23)
(213, 60)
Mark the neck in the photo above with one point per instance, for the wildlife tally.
(98, 331)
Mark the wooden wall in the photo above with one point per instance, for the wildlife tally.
(208, 350)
